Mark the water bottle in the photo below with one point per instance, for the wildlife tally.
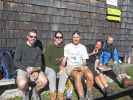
(69, 90)
(69, 94)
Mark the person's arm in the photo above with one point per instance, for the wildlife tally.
(63, 63)
(85, 56)
(97, 65)
(95, 51)
(38, 60)
(101, 59)
(115, 56)
(47, 56)
(18, 57)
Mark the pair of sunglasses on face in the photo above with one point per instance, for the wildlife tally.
(58, 37)
(32, 36)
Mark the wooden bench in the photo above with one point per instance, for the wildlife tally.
(7, 84)
(104, 69)
(124, 66)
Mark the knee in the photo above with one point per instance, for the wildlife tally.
(89, 78)
(89, 75)
(22, 84)
(44, 81)
(96, 78)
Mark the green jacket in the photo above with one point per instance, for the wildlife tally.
(27, 56)
(51, 53)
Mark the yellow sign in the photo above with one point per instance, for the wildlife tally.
(113, 18)
(113, 11)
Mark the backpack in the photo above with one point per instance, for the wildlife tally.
(6, 63)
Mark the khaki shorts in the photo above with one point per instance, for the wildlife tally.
(69, 69)
(21, 74)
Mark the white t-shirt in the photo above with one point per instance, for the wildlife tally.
(75, 54)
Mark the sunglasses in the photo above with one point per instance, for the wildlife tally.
(59, 37)
(32, 36)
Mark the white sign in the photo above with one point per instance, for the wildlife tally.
(112, 2)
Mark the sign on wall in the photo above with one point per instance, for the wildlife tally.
(113, 14)
(112, 2)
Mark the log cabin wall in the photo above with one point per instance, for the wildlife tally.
(88, 17)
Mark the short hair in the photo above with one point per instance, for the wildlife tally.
(110, 36)
(57, 33)
(76, 32)
(33, 30)
(99, 41)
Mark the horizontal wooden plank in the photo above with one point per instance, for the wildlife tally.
(5, 82)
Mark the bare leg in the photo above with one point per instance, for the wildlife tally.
(77, 80)
(89, 79)
(98, 82)
(22, 84)
(103, 80)
(40, 83)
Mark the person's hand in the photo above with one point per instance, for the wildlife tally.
(34, 76)
(95, 51)
(29, 70)
(59, 60)
(61, 70)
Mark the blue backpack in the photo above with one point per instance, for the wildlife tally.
(6, 64)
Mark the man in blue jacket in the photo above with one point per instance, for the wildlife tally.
(109, 52)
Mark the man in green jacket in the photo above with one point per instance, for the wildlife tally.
(28, 60)
(53, 55)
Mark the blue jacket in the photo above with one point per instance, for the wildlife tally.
(109, 52)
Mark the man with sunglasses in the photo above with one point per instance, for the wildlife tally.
(53, 54)
(28, 60)
(75, 56)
